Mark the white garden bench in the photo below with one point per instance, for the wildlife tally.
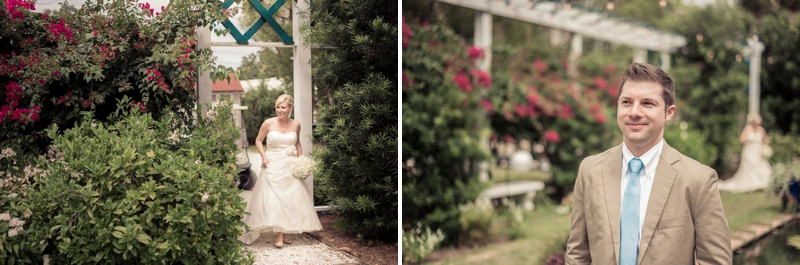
(522, 192)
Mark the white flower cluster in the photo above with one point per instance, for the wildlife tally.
(53, 153)
(211, 114)
(205, 197)
(174, 137)
(420, 243)
(291, 151)
(7, 152)
(14, 225)
(76, 175)
(302, 167)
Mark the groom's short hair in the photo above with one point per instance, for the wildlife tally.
(642, 72)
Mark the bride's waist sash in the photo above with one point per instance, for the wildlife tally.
(289, 151)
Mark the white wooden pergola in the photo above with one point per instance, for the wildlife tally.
(583, 22)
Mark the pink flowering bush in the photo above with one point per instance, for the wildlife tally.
(442, 122)
(532, 97)
(88, 102)
(54, 67)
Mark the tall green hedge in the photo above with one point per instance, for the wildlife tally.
(358, 163)
(441, 128)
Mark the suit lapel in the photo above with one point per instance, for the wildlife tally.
(662, 185)
(612, 182)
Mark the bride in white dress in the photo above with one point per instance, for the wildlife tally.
(280, 202)
(754, 170)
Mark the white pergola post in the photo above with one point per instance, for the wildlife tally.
(639, 55)
(576, 50)
(303, 105)
(756, 48)
(483, 39)
(665, 60)
(203, 75)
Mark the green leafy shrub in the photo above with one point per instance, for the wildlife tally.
(476, 221)
(418, 244)
(512, 218)
(134, 191)
(359, 161)
(690, 142)
(442, 125)
(784, 147)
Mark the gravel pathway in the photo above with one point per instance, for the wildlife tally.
(304, 249)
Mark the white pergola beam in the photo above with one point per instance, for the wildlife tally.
(549, 14)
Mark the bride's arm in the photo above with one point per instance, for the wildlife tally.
(743, 136)
(297, 144)
(766, 137)
(259, 139)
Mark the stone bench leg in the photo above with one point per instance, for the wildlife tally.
(527, 202)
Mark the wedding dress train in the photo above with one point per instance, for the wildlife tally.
(279, 202)
(754, 170)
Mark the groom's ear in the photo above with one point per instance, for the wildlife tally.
(670, 112)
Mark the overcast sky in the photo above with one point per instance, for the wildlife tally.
(228, 56)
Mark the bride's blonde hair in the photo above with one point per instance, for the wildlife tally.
(753, 117)
(285, 98)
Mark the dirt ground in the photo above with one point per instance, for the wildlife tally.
(346, 242)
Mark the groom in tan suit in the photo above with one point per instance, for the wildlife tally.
(643, 202)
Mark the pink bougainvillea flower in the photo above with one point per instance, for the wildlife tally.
(508, 138)
(13, 5)
(552, 136)
(483, 77)
(599, 117)
(521, 110)
(565, 112)
(487, 105)
(406, 32)
(611, 69)
(533, 99)
(539, 66)
(474, 52)
(407, 81)
(600, 83)
(462, 80)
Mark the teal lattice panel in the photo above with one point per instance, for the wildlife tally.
(266, 18)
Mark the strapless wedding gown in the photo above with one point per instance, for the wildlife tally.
(279, 202)
(754, 171)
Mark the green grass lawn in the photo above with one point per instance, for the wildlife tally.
(750, 208)
(547, 230)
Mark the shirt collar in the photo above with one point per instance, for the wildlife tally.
(649, 158)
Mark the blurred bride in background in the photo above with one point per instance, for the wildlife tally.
(754, 170)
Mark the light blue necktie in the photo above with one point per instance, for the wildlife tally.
(629, 221)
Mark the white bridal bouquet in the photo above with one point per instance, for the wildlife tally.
(302, 167)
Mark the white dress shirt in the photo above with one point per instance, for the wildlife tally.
(650, 160)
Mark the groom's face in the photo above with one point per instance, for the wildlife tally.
(641, 114)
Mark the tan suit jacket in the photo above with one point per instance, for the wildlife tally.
(684, 224)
